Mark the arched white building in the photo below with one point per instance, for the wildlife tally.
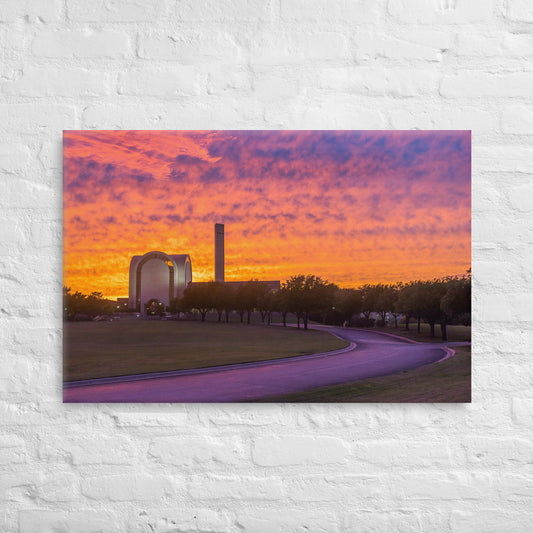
(159, 276)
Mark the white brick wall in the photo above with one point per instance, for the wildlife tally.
(265, 64)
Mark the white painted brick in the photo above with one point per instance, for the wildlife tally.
(57, 487)
(507, 307)
(479, 45)
(188, 47)
(144, 416)
(499, 158)
(427, 45)
(521, 197)
(61, 521)
(365, 519)
(490, 520)
(45, 233)
(362, 80)
(89, 449)
(481, 451)
(67, 81)
(46, 10)
(11, 231)
(411, 82)
(13, 157)
(81, 44)
(19, 193)
(295, 450)
(445, 118)
(518, 10)
(341, 113)
(223, 80)
(335, 488)
(516, 487)
(522, 409)
(393, 453)
(379, 81)
(116, 116)
(116, 11)
(163, 82)
(47, 118)
(237, 416)
(197, 451)
(290, 48)
(239, 110)
(12, 450)
(520, 44)
(210, 487)
(273, 85)
(195, 519)
(444, 486)
(441, 11)
(494, 272)
(517, 119)
(475, 84)
(352, 11)
(127, 487)
(224, 10)
(266, 520)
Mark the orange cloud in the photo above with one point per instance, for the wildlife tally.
(352, 207)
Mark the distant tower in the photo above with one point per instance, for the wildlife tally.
(219, 252)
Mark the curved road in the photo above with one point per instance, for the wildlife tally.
(374, 355)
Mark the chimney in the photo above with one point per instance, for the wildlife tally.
(219, 252)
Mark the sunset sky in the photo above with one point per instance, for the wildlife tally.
(352, 207)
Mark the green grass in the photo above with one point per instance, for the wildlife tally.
(447, 381)
(103, 349)
(455, 333)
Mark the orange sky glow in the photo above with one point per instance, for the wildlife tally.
(353, 207)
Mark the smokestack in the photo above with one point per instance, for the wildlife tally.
(219, 252)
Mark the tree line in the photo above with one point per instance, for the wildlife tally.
(439, 301)
(79, 306)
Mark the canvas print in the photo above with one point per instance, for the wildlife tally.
(267, 266)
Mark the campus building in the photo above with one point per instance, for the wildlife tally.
(158, 276)
(162, 277)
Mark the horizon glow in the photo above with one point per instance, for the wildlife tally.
(353, 207)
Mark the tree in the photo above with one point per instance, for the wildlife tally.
(218, 292)
(349, 302)
(249, 296)
(198, 297)
(412, 301)
(369, 296)
(430, 296)
(308, 293)
(281, 303)
(457, 300)
(265, 303)
(227, 295)
(78, 305)
(294, 288)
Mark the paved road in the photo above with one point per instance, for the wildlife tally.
(374, 355)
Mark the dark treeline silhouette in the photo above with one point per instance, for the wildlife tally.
(441, 301)
(78, 306)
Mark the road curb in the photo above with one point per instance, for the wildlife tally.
(208, 369)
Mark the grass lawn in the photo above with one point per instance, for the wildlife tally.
(455, 333)
(448, 381)
(103, 349)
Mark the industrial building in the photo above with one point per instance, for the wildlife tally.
(162, 277)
